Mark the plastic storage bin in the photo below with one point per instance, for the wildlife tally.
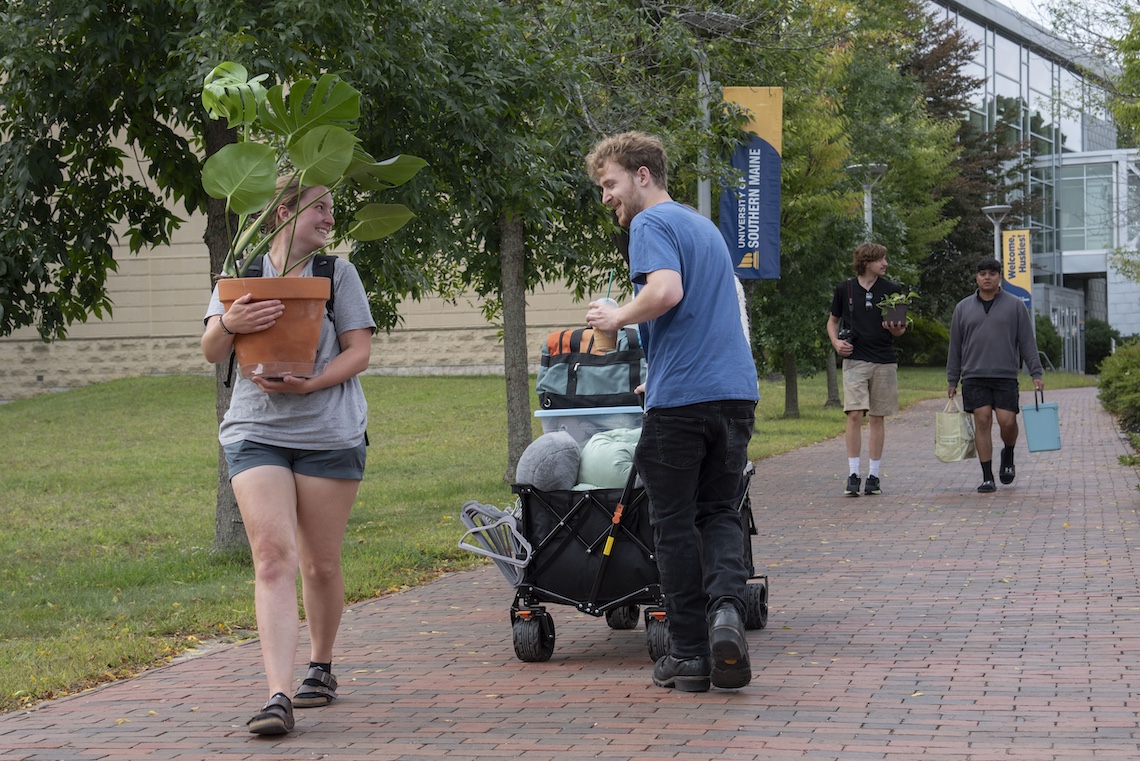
(582, 423)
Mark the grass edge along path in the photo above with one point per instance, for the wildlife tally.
(109, 510)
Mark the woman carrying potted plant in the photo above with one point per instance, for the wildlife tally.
(295, 447)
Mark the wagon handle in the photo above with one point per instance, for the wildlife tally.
(611, 537)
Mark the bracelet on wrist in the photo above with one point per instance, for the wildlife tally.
(222, 322)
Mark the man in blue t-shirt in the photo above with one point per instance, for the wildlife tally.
(700, 401)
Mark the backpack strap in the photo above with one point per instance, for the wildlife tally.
(324, 265)
(633, 339)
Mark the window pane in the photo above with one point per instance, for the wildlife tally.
(1098, 209)
(1007, 57)
(1040, 74)
(974, 32)
(1133, 221)
(1072, 240)
(1069, 102)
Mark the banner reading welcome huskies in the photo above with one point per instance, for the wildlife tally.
(750, 213)
(1016, 265)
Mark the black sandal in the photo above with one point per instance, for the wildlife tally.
(276, 717)
(318, 689)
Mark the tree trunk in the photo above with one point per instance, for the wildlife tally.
(512, 257)
(832, 383)
(791, 386)
(229, 531)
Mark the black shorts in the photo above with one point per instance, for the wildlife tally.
(990, 392)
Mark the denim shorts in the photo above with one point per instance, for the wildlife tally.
(319, 463)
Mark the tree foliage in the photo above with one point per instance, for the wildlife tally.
(86, 96)
(986, 166)
(819, 224)
(101, 129)
(505, 116)
(1127, 104)
(1107, 31)
(850, 102)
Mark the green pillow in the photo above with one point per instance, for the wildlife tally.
(607, 458)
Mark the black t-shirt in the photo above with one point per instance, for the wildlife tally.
(873, 342)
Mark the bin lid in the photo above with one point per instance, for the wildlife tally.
(585, 411)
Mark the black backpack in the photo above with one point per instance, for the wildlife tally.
(324, 265)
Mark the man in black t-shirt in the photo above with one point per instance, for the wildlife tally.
(870, 367)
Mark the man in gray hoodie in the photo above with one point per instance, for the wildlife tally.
(991, 334)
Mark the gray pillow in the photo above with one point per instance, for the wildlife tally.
(550, 463)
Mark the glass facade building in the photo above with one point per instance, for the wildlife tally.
(1088, 189)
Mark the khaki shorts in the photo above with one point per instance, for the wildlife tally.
(870, 387)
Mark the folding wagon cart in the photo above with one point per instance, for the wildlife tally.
(593, 551)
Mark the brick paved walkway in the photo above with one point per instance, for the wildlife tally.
(928, 623)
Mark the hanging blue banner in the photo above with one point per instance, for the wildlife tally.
(750, 213)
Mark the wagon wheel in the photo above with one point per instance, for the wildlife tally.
(756, 606)
(624, 617)
(656, 636)
(533, 637)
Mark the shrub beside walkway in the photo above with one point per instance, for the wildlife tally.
(929, 622)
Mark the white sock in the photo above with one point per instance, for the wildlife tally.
(875, 468)
(853, 465)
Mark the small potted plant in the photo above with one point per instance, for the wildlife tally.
(894, 307)
(304, 130)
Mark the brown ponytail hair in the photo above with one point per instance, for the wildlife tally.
(288, 194)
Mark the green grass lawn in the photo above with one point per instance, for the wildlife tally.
(108, 512)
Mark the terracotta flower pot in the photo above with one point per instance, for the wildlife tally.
(290, 346)
(895, 314)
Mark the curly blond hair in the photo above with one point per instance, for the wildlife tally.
(630, 151)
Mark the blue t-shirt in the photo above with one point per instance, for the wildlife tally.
(697, 351)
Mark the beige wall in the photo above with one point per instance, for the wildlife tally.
(159, 298)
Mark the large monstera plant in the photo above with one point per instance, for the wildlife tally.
(306, 130)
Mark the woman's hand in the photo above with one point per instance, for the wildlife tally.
(355, 350)
(287, 384)
(248, 316)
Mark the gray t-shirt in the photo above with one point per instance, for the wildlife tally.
(332, 418)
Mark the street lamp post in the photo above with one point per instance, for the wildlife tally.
(704, 185)
(868, 175)
(711, 24)
(996, 214)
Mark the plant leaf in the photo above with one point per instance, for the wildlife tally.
(245, 174)
(323, 154)
(379, 220)
(372, 175)
(332, 101)
(228, 92)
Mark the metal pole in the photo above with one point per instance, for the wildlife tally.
(996, 214)
(867, 207)
(867, 175)
(704, 185)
